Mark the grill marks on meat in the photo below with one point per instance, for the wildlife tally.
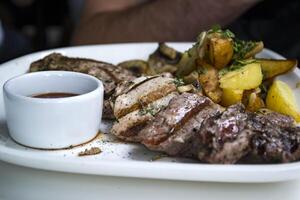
(109, 74)
(146, 92)
(128, 127)
(193, 126)
(137, 102)
(174, 126)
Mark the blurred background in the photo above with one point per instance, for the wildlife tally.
(29, 25)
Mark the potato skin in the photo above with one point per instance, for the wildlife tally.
(246, 78)
(208, 78)
(258, 48)
(280, 98)
(186, 65)
(272, 68)
(220, 51)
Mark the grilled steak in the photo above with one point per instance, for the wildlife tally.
(128, 127)
(137, 102)
(276, 139)
(142, 93)
(174, 127)
(194, 126)
(109, 74)
(224, 138)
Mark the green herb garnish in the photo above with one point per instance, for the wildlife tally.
(178, 82)
(241, 48)
(237, 64)
(224, 33)
(150, 109)
(147, 110)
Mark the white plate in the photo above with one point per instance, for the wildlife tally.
(131, 160)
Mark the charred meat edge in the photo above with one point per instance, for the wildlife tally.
(146, 99)
(128, 127)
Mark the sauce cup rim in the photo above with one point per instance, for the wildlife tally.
(52, 73)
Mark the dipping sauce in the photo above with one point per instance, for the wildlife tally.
(54, 95)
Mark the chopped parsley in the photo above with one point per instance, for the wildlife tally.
(178, 82)
(150, 109)
(224, 33)
(241, 48)
(147, 110)
(237, 64)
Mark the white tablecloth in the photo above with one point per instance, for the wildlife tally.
(20, 183)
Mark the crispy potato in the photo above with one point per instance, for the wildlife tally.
(271, 67)
(281, 99)
(208, 78)
(245, 78)
(186, 64)
(230, 97)
(220, 51)
(254, 102)
(258, 48)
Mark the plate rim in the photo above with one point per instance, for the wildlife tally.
(137, 169)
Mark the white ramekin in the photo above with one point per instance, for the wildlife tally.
(58, 122)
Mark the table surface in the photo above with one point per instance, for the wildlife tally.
(18, 182)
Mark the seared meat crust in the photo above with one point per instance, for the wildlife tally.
(193, 126)
(174, 126)
(137, 102)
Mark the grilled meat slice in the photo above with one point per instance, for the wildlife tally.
(109, 74)
(224, 138)
(141, 92)
(276, 138)
(174, 127)
(128, 127)
(136, 102)
(194, 126)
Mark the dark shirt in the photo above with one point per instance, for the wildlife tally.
(276, 23)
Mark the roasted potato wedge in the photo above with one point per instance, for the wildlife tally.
(271, 67)
(186, 64)
(220, 51)
(257, 48)
(246, 49)
(281, 99)
(208, 78)
(230, 97)
(245, 78)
